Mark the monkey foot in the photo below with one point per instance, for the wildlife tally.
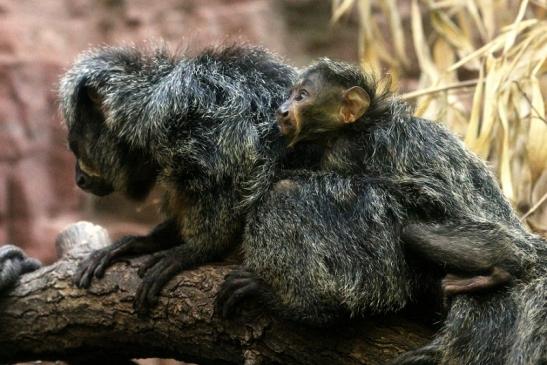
(453, 284)
(237, 286)
(155, 274)
(98, 261)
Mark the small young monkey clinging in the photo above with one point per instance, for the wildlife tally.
(333, 104)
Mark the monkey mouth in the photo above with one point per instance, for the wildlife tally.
(102, 193)
(288, 133)
(285, 127)
(99, 191)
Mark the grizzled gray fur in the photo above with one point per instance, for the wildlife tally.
(197, 126)
(324, 244)
(328, 242)
(13, 264)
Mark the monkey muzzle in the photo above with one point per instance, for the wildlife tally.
(285, 123)
(91, 184)
(285, 127)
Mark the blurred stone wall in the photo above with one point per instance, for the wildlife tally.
(40, 38)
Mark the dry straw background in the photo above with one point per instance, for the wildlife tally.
(482, 71)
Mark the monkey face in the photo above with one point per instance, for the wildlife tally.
(89, 180)
(317, 107)
(104, 163)
(88, 175)
(304, 108)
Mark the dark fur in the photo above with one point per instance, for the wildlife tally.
(325, 244)
(197, 126)
(13, 264)
(337, 245)
(466, 246)
(472, 247)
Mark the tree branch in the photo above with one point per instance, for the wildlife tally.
(48, 318)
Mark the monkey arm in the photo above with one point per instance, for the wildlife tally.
(210, 226)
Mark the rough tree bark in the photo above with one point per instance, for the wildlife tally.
(45, 317)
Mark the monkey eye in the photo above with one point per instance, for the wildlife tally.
(301, 95)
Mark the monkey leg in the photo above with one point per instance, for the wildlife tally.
(13, 264)
(239, 285)
(469, 248)
(454, 284)
(165, 235)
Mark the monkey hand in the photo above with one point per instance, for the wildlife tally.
(454, 284)
(155, 274)
(13, 264)
(98, 261)
(238, 286)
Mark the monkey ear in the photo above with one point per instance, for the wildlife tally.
(355, 103)
(94, 96)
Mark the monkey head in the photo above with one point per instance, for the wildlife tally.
(319, 104)
(104, 163)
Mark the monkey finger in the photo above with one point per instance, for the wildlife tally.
(237, 296)
(153, 283)
(77, 276)
(455, 287)
(153, 293)
(139, 303)
(143, 299)
(229, 286)
(167, 274)
(103, 262)
(83, 279)
(84, 273)
(150, 263)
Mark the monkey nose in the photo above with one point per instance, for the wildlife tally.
(81, 182)
(282, 113)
